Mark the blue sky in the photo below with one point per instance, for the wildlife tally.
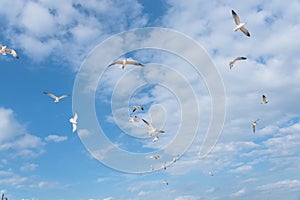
(58, 41)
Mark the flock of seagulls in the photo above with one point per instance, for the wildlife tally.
(241, 26)
(152, 131)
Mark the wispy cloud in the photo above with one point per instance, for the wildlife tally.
(56, 138)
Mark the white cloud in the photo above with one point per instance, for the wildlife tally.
(187, 197)
(239, 193)
(56, 138)
(28, 167)
(288, 184)
(241, 169)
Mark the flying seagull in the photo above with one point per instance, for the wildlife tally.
(152, 130)
(133, 119)
(231, 63)
(4, 198)
(56, 98)
(155, 157)
(175, 159)
(73, 121)
(165, 182)
(164, 166)
(211, 172)
(4, 50)
(264, 100)
(239, 25)
(254, 125)
(125, 62)
(135, 108)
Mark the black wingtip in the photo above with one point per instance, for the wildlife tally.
(234, 13)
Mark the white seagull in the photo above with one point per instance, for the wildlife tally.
(231, 63)
(239, 25)
(164, 166)
(56, 98)
(175, 159)
(133, 119)
(155, 157)
(165, 182)
(4, 50)
(264, 100)
(211, 172)
(254, 125)
(152, 130)
(125, 62)
(73, 121)
(135, 108)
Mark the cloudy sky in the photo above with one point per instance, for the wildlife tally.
(64, 48)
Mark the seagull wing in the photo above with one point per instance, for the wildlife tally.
(12, 52)
(63, 96)
(148, 124)
(253, 127)
(116, 62)
(50, 95)
(74, 127)
(134, 109)
(240, 58)
(75, 116)
(245, 31)
(131, 62)
(235, 17)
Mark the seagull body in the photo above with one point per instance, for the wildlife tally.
(264, 100)
(165, 182)
(135, 108)
(133, 119)
(4, 50)
(155, 157)
(164, 166)
(56, 98)
(152, 130)
(175, 159)
(211, 173)
(239, 25)
(231, 63)
(125, 62)
(254, 125)
(73, 121)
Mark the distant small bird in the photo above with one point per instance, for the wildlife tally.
(125, 62)
(133, 119)
(165, 182)
(4, 198)
(231, 63)
(152, 130)
(239, 25)
(264, 100)
(56, 98)
(164, 166)
(152, 168)
(155, 157)
(135, 108)
(211, 172)
(73, 121)
(155, 138)
(175, 159)
(254, 125)
(4, 50)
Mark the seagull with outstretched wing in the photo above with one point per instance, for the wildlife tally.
(125, 62)
(73, 121)
(239, 25)
(232, 62)
(4, 50)
(56, 98)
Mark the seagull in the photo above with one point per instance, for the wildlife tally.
(4, 50)
(254, 125)
(73, 121)
(155, 157)
(152, 168)
(165, 182)
(264, 100)
(231, 63)
(126, 62)
(155, 138)
(164, 166)
(56, 99)
(152, 130)
(211, 172)
(175, 159)
(133, 119)
(135, 108)
(4, 198)
(239, 25)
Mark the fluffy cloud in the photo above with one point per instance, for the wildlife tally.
(56, 138)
